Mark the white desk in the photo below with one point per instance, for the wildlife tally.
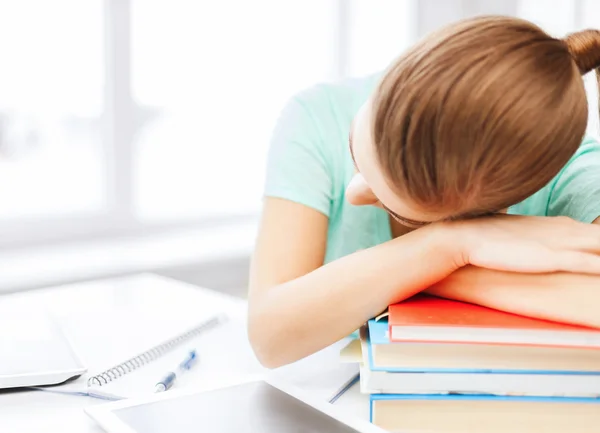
(38, 411)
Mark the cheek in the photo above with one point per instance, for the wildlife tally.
(359, 193)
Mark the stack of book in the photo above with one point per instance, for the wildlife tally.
(438, 365)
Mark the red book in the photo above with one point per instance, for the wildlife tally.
(430, 319)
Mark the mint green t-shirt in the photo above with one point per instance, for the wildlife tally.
(309, 163)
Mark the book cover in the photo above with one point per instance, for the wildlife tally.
(465, 400)
(427, 318)
(410, 357)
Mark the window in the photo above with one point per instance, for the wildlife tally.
(557, 17)
(52, 162)
(208, 81)
(120, 116)
(378, 31)
(123, 116)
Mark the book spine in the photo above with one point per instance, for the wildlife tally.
(485, 397)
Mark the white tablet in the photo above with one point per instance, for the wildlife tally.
(262, 406)
(34, 351)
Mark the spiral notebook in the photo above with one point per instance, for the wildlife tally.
(139, 374)
(129, 355)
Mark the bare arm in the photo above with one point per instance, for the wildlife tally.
(297, 306)
(560, 296)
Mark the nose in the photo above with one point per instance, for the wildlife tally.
(359, 193)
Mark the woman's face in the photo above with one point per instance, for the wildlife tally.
(370, 187)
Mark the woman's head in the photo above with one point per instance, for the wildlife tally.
(475, 118)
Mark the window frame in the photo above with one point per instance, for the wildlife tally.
(121, 122)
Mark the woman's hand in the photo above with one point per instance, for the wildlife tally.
(529, 244)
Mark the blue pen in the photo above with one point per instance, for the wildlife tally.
(168, 380)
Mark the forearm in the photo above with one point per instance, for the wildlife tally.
(564, 297)
(304, 315)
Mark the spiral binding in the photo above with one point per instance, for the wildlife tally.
(152, 354)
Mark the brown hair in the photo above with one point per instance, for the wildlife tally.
(482, 114)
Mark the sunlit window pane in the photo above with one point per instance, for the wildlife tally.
(378, 32)
(557, 17)
(210, 79)
(51, 87)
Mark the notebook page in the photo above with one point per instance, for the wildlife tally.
(105, 340)
(224, 354)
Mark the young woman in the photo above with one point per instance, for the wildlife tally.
(443, 174)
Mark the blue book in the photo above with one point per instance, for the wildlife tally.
(432, 368)
(469, 358)
(484, 414)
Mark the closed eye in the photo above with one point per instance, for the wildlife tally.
(403, 220)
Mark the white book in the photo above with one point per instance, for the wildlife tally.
(373, 381)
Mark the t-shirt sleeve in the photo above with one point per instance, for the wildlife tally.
(576, 193)
(297, 166)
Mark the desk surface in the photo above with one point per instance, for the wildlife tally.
(33, 411)
(37, 411)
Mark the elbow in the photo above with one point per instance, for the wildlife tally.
(264, 339)
(267, 357)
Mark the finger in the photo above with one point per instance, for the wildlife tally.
(581, 237)
(590, 239)
(578, 261)
(527, 257)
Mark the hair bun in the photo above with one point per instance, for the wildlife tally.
(584, 47)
